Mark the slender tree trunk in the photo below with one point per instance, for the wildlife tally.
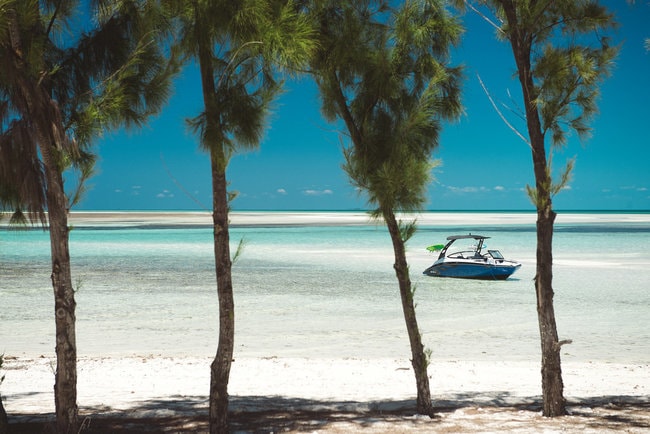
(552, 386)
(419, 358)
(65, 386)
(220, 368)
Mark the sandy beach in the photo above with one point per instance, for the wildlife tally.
(132, 382)
(163, 394)
(293, 218)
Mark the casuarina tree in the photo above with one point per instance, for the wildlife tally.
(61, 85)
(384, 73)
(561, 56)
(238, 47)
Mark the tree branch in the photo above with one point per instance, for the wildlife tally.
(503, 118)
(482, 15)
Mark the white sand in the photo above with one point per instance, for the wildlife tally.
(290, 218)
(475, 396)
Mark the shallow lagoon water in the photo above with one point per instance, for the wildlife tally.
(329, 291)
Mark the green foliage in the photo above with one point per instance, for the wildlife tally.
(242, 47)
(568, 86)
(427, 354)
(407, 230)
(573, 59)
(85, 166)
(62, 85)
(564, 41)
(240, 250)
(562, 54)
(18, 219)
(549, 187)
(384, 72)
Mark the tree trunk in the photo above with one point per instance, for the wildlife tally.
(419, 358)
(4, 422)
(220, 368)
(552, 386)
(65, 386)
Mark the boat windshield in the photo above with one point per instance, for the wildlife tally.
(495, 254)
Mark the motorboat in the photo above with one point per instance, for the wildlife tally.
(472, 262)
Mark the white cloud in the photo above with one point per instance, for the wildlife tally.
(165, 194)
(117, 190)
(500, 188)
(281, 191)
(468, 189)
(311, 192)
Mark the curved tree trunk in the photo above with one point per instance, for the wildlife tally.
(418, 357)
(220, 368)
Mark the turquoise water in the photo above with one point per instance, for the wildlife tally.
(314, 291)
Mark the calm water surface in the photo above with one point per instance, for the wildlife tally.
(314, 291)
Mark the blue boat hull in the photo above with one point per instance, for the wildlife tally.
(472, 270)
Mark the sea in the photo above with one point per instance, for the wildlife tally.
(316, 290)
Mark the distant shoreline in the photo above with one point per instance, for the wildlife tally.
(365, 211)
(203, 219)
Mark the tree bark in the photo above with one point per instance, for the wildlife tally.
(65, 385)
(220, 368)
(419, 358)
(552, 385)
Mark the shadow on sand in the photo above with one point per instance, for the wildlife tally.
(266, 414)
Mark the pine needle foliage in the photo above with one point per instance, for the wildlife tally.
(112, 73)
(250, 43)
(390, 83)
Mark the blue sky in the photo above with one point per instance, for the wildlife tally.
(484, 165)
